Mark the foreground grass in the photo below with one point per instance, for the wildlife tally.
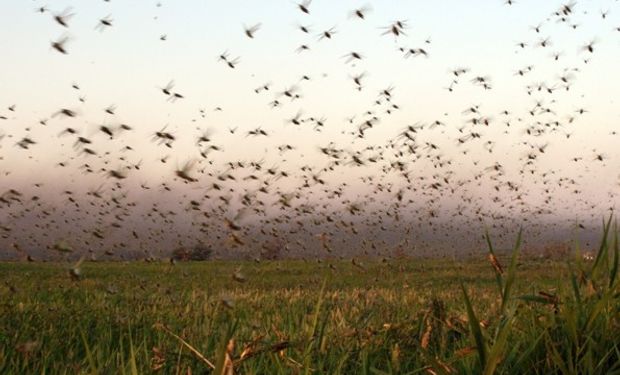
(293, 317)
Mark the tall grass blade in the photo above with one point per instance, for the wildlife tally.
(602, 251)
(512, 271)
(89, 355)
(495, 263)
(614, 268)
(499, 346)
(474, 325)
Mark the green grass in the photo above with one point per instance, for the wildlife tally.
(292, 317)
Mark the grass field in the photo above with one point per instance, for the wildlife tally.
(513, 315)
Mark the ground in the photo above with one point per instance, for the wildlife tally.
(371, 316)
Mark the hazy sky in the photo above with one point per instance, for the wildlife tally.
(558, 109)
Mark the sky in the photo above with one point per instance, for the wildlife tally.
(552, 157)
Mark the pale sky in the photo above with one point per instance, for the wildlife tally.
(127, 64)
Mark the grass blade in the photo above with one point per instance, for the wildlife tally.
(496, 265)
(614, 269)
(474, 325)
(512, 270)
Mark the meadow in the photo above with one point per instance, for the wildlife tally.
(506, 313)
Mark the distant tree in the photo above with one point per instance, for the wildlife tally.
(272, 250)
(199, 252)
(180, 253)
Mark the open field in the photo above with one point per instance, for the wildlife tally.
(309, 187)
(395, 316)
